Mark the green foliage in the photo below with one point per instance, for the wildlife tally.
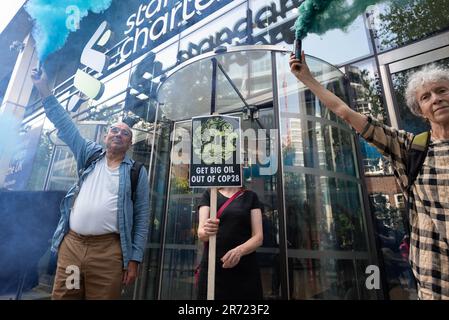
(344, 229)
(371, 94)
(404, 22)
(180, 185)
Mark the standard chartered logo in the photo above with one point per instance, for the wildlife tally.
(90, 87)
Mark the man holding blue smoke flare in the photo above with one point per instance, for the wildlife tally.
(103, 227)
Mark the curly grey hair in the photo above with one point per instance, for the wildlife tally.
(428, 74)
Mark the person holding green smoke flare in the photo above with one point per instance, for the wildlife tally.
(427, 192)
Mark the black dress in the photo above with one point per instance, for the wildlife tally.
(242, 281)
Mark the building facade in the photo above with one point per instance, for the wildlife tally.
(331, 204)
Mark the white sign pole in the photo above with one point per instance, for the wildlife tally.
(212, 248)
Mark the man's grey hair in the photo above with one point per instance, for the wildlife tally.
(428, 74)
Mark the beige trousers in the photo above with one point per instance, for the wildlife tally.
(89, 267)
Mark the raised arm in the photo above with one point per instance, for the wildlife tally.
(330, 100)
(67, 130)
(390, 142)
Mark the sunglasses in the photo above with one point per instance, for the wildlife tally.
(124, 132)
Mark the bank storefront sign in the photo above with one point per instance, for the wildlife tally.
(154, 22)
(158, 20)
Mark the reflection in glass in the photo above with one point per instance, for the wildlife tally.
(181, 221)
(325, 227)
(241, 77)
(158, 174)
(401, 22)
(64, 170)
(337, 46)
(367, 98)
(394, 246)
(323, 213)
(43, 156)
(328, 278)
(318, 145)
(110, 113)
(365, 84)
(326, 230)
(180, 104)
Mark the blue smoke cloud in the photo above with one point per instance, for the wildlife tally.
(54, 20)
(28, 220)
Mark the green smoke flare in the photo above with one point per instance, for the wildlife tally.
(319, 16)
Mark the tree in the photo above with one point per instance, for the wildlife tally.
(406, 21)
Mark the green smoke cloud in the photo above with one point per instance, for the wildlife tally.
(319, 16)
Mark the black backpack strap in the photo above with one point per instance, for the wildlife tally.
(135, 172)
(416, 154)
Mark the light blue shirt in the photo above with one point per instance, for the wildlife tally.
(133, 218)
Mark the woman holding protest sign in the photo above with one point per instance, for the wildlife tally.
(239, 233)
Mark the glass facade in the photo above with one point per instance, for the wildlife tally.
(312, 227)
(236, 86)
(331, 203)
(326, 233)
(401, 23)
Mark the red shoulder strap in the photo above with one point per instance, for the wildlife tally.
(228, 202)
